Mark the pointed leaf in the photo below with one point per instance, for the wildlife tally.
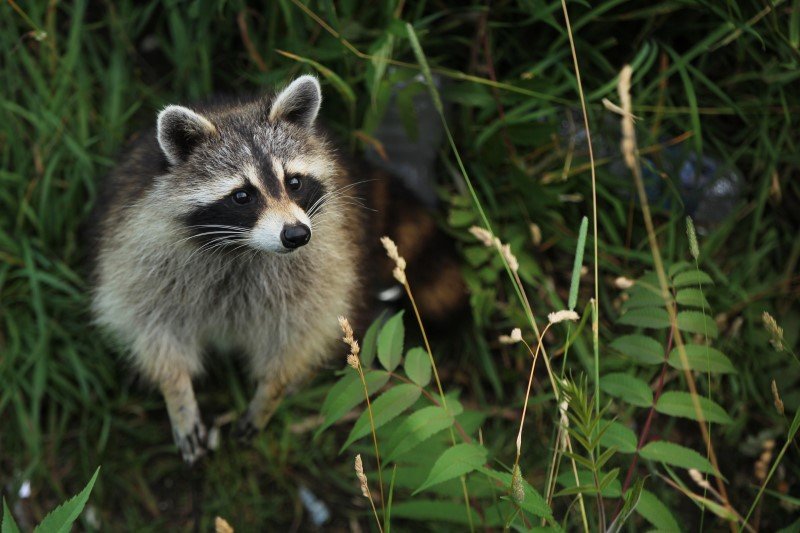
(697, 322)
(691, 278)
(680, 404)
(418, 366)
(386, 407)
(640, 348)
(631, 501)
(652, 508)
(620, 437)
(417, 428)
(646, 317)
(702, 359)
(434, 511)
(630, 388)
(642, 295)
(9, 525)
(390, 342)
(347, 393)
(369, 345)
(692, 298)
(678, 267)
(60, 519)
(677, 455)
(454, 462)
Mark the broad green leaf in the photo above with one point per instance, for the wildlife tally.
(390, 342)
(652, 508)
(620, 437)
(418, 427)
(639, 348)
(692, 298)
(645, 296)
(627, 387)
(702, 359)
(60, 519)
(678, 267)
(369, 345)
(680, 404)
(9, 525)
(434, 511)
(418, 366)
(534, 503)
(386, 407)
(697, 322)
(677, 455)
(691, 278)
(646, 317)
(456, 461)
(347, 393)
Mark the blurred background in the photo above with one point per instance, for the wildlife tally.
(716, 92)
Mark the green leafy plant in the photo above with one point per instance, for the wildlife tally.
(60, 519)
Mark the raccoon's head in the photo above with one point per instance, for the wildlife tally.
(253, 174)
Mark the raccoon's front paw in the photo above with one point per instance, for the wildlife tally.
(191, 442)
(245, 429)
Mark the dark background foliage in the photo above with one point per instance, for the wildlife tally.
(711, 79)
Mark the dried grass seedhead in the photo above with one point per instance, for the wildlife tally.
(628, 144)
(777, 398)
(623, 283)
(487, 239)
(362, 478)
(698, 478)
(399, 271)
(775, 331)
(561, 316)
(761, 468)
(349, 339)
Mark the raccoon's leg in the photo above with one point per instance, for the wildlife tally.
(268, 396)
(170, 364)
(184, 415)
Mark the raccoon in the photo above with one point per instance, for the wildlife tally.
(238, 227)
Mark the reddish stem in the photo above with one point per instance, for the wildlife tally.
(646, 428)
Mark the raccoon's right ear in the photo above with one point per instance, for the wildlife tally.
(179, 130)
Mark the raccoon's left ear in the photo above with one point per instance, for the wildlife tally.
(298, 103)
(179, 130)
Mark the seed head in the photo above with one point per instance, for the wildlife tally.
(517, 488)
(483, 235)
(694, 249)
(399, 271)
(775, 331)
(560, 316)
(777, 398)
(362, 478)
(515, 337)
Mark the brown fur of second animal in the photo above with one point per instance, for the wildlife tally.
(238, 226)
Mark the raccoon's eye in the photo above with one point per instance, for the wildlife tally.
(241, 197)
(294, 183)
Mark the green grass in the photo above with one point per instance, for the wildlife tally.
(81, 78)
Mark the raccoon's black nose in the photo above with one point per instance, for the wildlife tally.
(295, 236)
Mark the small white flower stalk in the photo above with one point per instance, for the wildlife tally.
(563, 315)
(514, 338)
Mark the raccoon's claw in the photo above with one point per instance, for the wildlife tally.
(245, 430)
(191, 444)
